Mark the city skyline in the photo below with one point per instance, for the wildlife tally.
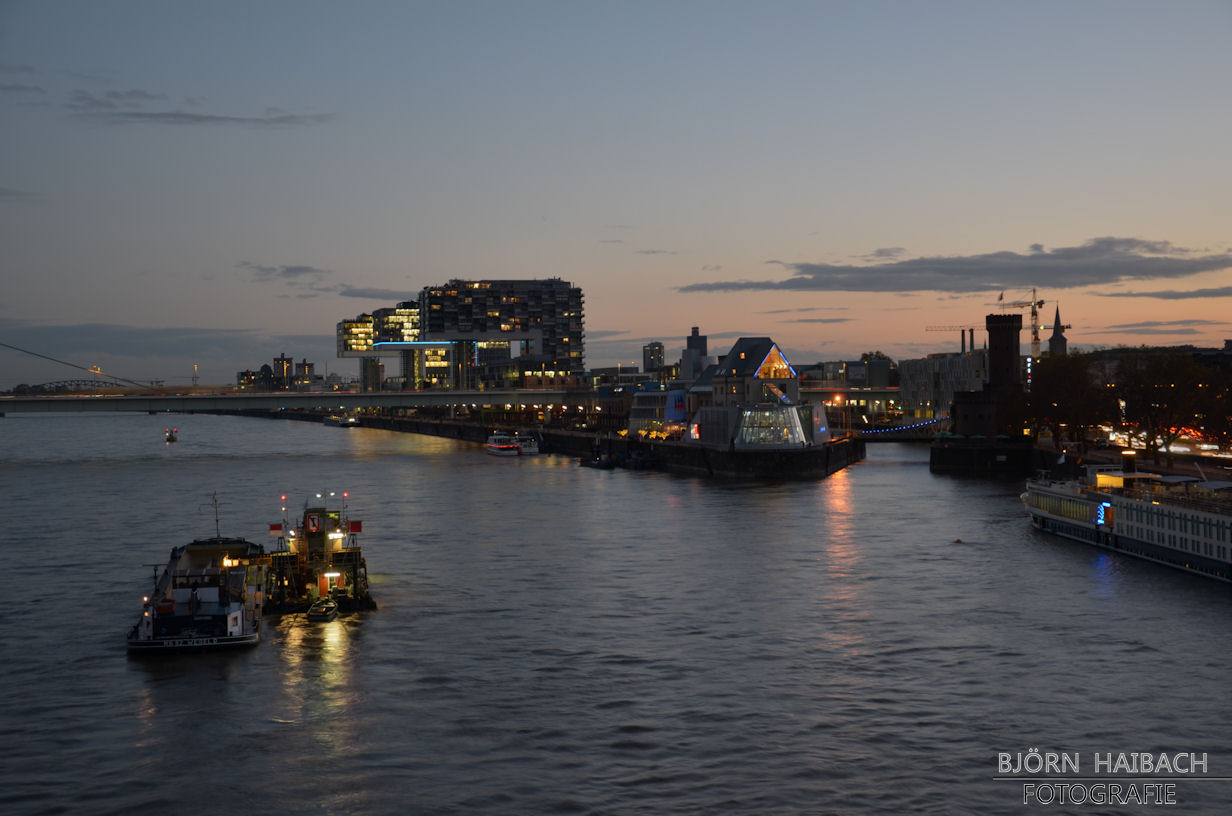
(219, 184)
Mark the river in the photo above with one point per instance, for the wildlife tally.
(558, 639)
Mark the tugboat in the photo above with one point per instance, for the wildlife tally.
(318, 558)
(208, 596)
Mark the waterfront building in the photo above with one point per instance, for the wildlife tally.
(750, 400)
(927, 386)
(477, 334)
(538, 323)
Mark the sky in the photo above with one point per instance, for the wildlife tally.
(216, 184)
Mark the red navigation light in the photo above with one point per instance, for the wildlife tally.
(284, 498)
(346, 495)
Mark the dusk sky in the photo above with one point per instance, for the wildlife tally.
(222, 182)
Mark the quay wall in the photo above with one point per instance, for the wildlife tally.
(684, 458)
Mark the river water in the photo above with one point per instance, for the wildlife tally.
(557, 639)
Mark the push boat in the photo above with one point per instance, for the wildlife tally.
(316, 558)
(1181, 521)
(501, 443)
(171, 434)
(208, 596)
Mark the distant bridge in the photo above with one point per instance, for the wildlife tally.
(923, 431)
(282, 400)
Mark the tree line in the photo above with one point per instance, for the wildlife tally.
(1162, 394)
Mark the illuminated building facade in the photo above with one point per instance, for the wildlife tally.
(754, 402)
(477, 335)
(652, 357)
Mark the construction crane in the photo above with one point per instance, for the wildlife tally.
(1034, 305)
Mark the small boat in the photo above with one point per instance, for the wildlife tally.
(342, 420)
(527, 445)
(208, 596)
(323, 611)
(172, 434)
(503, 444)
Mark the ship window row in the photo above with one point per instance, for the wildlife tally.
(1179, 522)
(1075, 509)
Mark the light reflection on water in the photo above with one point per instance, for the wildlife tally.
(559, 639)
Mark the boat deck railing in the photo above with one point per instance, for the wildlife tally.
(1179, 497)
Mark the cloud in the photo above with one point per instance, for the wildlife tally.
(288, 273)
(376, 294)
(8, 193)
(23, 90)
(1099, 261)
(129, 107)
(655, 252)
(285, 120)
(1164, 324)
(808, 309)
(1150, 331)
(605, 334)
(304, 281)
(821, 320)
(1172, 294)
(885, 253)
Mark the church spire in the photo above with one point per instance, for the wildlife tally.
(1057, 343)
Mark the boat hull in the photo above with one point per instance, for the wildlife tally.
(192, 644)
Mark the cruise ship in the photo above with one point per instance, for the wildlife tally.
(1182, 521)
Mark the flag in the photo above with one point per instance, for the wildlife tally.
(357, 526)
(1001, 296)
(1061, 461)
(275, 529)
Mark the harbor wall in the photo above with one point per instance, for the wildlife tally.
(685, 458)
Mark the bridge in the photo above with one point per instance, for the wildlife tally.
(922, 431)
(285, 400)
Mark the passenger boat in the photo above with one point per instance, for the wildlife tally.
(318, 557)
(1181, 521)
(501, 443)
(323, 611)
(342, 420)
(208, 596)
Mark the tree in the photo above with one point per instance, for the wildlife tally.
(1065, 392)
(1160, 391)
(1215, 408)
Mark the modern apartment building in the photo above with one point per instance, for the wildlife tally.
(470, 334)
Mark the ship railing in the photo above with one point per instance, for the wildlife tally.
(1218, 506)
